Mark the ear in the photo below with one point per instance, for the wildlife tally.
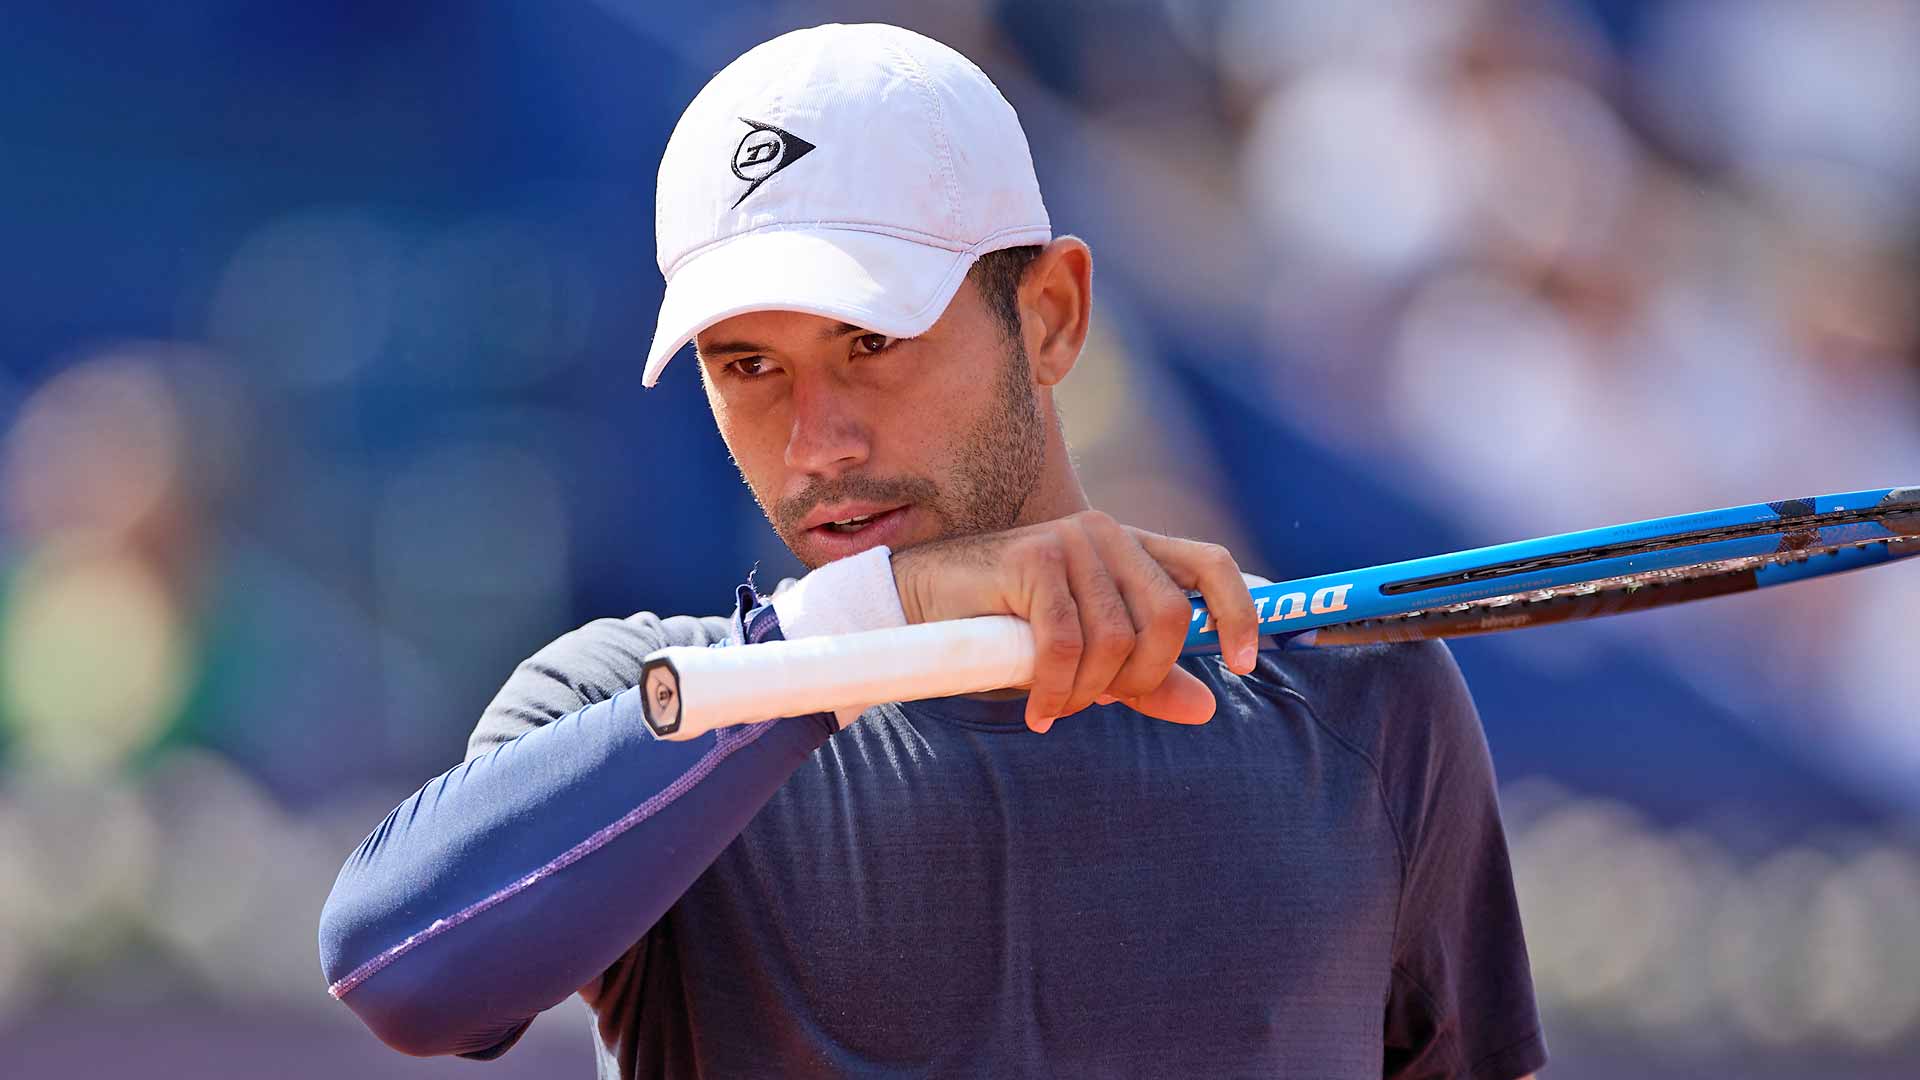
(1056, 301)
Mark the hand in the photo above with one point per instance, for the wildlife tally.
(1108, 606)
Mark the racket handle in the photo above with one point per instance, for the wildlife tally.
(688, 690)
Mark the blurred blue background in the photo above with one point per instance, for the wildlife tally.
(322, 325)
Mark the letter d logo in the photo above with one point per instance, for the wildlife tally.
(1330, 599)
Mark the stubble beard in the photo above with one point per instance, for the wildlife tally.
(984, 488)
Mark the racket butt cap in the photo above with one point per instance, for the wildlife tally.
(660, 696)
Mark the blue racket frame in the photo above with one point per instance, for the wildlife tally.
(1797, 538)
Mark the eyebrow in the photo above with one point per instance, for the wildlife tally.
(725, 348)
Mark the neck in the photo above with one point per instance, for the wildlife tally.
(1058, 494)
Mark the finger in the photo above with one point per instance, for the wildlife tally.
(1106, 625)
(1056, 641)
(1211, 569)
(1159, 611)
(1182, 698)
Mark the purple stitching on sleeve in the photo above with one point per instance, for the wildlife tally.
(723, 748)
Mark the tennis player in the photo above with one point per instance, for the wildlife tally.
(1260, 864)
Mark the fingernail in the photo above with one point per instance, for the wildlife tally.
(1244, 659)
(1043, 724)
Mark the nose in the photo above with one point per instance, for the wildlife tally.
(828, 435)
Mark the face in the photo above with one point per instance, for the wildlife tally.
(849, 439)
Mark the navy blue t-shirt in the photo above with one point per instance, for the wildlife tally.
(1313, 884)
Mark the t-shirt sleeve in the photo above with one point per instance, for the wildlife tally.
(581, 668)
(484, 898)
(1461, 1000)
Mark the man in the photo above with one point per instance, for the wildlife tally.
(1301, 874)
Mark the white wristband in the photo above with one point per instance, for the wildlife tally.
(843, 597)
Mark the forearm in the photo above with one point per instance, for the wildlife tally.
(512, 880)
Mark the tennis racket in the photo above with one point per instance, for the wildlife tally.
(1579, 575)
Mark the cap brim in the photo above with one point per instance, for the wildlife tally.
(876, 281)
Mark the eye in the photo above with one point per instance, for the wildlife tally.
(747, 367)
(869, 344)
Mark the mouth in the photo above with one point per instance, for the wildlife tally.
(852, 524)
(847, 517)
(845, 530)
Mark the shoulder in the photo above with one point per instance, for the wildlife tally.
(1394, 680)
(584, 666)
(1366, 690)
(1403, 704)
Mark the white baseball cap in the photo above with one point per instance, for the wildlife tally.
(852, 172)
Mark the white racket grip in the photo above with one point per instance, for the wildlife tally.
(689, 690)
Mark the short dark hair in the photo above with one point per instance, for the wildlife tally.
(997, 275)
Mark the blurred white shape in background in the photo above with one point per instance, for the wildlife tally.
(1763, 960)
(1490, 391)
(1356, 167)
(1709, 363)
(1819, 102)
(185, 886)
(1260, 41)
(1552, 166)
(1865, 948)
(239, 885)
(78, 859)
(1662, 933)
(1614, 912)
(1869, 664)
(20, 939)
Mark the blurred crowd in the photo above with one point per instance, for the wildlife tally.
(1554, 285)
(320, 410)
